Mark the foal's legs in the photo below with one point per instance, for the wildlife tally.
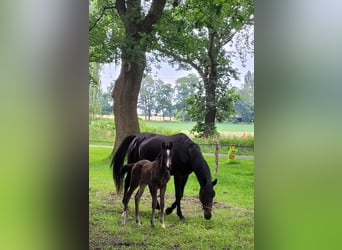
(154, 202)
(162, 203)
(125, 201)
(137, 200)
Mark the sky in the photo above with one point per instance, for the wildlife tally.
(168, 74)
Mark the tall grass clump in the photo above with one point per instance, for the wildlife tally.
(101, 130)
(146, 127)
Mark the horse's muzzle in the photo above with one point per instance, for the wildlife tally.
(207, 211)
(207, 216)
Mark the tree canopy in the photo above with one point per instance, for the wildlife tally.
(195, 35)
(191, 34)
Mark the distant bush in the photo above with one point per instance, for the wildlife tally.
(144, 127)
(98, 123)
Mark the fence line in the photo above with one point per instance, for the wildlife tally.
(225, 145)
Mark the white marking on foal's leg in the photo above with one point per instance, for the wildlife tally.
(137, 220)
(123, 217)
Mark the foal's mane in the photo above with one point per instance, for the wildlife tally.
(159, 158)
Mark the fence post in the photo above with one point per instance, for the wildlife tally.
(217, 144)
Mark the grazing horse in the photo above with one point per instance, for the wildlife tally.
(155, 174)
(187, 159)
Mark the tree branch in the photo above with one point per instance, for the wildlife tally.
(101, 15)
(121, 8)
(153, 16)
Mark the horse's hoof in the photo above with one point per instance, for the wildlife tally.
(168, 210)
(163, 225)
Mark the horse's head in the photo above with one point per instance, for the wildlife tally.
(167, 154)
(206, 196)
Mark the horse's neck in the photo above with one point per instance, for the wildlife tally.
(162, 166)
(201, 170)
(159, 163)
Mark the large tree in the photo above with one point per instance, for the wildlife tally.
(135, 20)
(138, 27)
(197, 35)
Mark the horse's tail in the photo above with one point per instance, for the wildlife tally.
(118, 160)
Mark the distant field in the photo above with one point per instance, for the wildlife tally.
(102, 131)
(224, 128)
(187, 126)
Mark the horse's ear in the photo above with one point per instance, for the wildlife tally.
(214, 182)
(171, 145)
(163, 145)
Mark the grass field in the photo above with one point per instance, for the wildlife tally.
(231, 227)
(101, 132)
(187, 126)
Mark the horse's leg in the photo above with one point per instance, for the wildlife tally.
(162, 203)
(179, 195)
(154, 203)
(174, 204)
(179, 188)
(137, 200)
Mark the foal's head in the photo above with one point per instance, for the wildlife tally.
(167, 154)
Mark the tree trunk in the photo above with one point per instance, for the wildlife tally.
(125, 94)
(210, 108)
(210, 87)
(133, 57)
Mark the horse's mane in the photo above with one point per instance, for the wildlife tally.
(198, 164)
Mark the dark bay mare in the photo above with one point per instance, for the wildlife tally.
(155, 174)
(187, 159)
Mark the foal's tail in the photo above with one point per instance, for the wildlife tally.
(118, 160)
(125, 169)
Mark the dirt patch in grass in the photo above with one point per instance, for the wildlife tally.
(189, 204)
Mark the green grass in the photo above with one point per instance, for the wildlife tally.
(231, 227)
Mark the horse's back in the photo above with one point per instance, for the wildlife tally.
(150, 148)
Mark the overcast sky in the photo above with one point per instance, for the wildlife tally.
(167, 74)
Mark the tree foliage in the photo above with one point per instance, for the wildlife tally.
(94, 89)
(192, 34)
(197, 36)
(185, 87)
(155, 97)
(147, 96)
(245, 106)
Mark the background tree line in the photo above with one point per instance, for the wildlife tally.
(157, 98)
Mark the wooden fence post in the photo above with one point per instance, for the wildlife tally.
(217, 147)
